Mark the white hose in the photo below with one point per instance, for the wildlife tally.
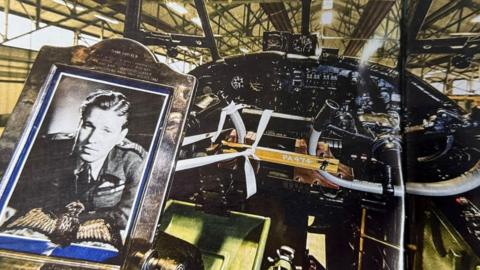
(313, 141)
(460, 184)
(239, 126)
(359, 185)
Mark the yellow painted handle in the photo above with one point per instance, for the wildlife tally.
(288, 158)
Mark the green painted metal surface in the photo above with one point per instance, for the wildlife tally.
(235, 242)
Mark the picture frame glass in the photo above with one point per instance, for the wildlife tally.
(75, 182)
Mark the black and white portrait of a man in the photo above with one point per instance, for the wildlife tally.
(82, 175)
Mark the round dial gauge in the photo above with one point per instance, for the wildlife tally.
(237, 82)
(302, 44)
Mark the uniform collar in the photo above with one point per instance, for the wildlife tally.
(109, 165)
(114, 164)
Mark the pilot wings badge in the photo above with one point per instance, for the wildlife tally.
(66, 227)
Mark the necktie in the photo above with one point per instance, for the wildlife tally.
(84, 178)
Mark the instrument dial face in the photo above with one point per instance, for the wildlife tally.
(277, 42)
(274, 43)
(237, 82)
(302, 44)
(256, 85)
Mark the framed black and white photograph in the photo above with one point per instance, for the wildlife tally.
(75, 182)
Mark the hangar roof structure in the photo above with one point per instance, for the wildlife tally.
(440, 33)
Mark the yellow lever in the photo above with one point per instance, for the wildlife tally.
(287, 158)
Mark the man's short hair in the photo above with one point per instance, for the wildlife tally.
(107, 100)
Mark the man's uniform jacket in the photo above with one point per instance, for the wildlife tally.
(52, 178)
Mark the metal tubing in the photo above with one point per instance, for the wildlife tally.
(207, 28)
(132, 19)
(360, 244)
(461, 184)
(313, 141)
(5, 26)
(306, 16)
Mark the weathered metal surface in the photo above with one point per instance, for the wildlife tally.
(121, 57)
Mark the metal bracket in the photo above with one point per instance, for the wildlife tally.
(132, 30)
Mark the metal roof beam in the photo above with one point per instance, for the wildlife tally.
(133, 17)
(438, 46)
(278, 15)
(306, 16)
(456, 22)
(417, 18)
(17, 54)
(13, 74)
(207, 28)
(58, 23)
(373, 14)
(430, 63)
(442, 12)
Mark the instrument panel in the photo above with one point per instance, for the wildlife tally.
(289, 84)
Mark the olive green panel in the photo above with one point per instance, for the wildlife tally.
(235, 242)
